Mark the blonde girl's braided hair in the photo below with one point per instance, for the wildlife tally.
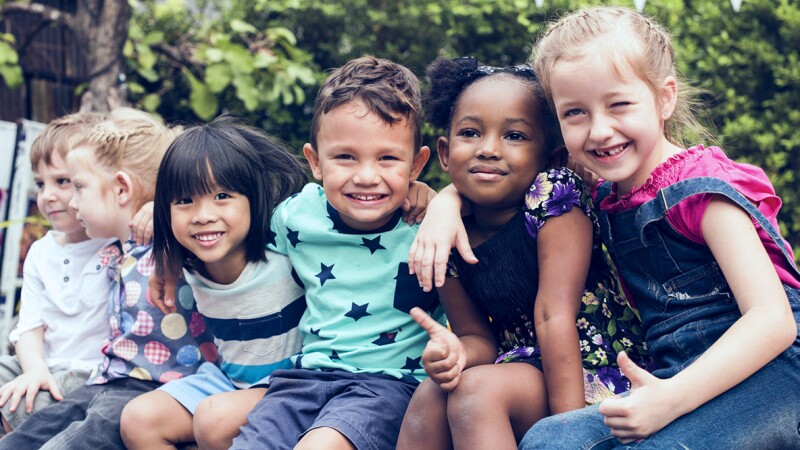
(133, 141)
(629, 39)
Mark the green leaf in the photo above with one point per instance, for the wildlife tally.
(12, 75)
(202, 100)
(153, 37)
(218, 76)
(8, 55)
(240, 26)
(612, 327)
(151, 102)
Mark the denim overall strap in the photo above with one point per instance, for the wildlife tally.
(670, 196)
(603, 191)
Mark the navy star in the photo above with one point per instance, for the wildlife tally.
(334, 355)
(358, 311)
(293, 236)
(271, 237)
(373, 244)
(385, 338)
(412, 364)
(325, 273)
(313, 331)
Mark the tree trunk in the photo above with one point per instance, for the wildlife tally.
(102, 28)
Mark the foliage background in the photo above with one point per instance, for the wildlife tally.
(265, 59)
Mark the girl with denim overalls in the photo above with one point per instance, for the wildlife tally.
(697, 245)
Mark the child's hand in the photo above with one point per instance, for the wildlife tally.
(142, 225)
(647, 409)
(28, 385)
(438, 233)
(444, 357)
(162, 291)
(415, 205)
(589, 178)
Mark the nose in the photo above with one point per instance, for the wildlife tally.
(204, 212)
(366, 174)
(601, 129)
(489, 147)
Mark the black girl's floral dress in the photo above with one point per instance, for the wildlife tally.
(504, 283)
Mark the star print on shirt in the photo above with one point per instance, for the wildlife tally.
(334, 355)
(313, 331)
(386, 338)
(413, 364)
(325, 273)
(293, 236)
(271, 235)
(358, 311)
(373, 244)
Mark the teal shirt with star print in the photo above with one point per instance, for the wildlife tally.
(358, 289)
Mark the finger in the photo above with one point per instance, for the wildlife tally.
(15, 399)
(440, 259)
(426, 267)
(5, 394)
(449, 386)
(432, 357)
(412, 253)
(614, 407)
(406, 208)
(55, 391)
(463, 247)
(426, 321)
(30, 396)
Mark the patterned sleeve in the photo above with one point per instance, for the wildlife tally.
(553, 193)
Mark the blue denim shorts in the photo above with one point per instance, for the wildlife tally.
(190, 390)
(366, 408)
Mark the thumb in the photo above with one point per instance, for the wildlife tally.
(637, 376)
(406, 204)
(425, 321)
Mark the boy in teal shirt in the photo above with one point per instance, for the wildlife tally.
(361, 357)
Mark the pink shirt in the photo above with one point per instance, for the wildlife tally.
(686, 217)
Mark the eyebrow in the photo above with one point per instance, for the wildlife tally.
(511, 120)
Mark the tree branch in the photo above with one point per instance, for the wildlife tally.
(46, 13)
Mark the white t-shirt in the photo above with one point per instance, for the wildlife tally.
(65, 288)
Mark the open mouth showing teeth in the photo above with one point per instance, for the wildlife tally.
(612, 152)
(207, 237)
(366, 198)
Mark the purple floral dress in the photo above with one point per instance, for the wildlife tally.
(504, 284)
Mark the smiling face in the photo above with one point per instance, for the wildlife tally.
(496, 144)
(612, 123)
(213, 226)
(365, 164)
(54, 192)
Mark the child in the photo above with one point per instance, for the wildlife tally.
(360, 360)
(113, 171)
(696, 241)
(63, 320)
(520, 302)
(215, 192)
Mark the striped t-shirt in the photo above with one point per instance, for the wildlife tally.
(254, 319)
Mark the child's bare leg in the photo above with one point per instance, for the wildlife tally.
(155, 420)
(425, 423)
(494, 405)
(326, 438)
(217, 418)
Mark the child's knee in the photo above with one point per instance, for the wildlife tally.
(212, 425)
(137, 415)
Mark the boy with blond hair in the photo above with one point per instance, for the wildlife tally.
(361, 356)
(63, 320)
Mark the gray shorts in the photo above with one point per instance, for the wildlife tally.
(68, 381)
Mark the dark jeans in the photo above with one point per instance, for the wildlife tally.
(87, 418)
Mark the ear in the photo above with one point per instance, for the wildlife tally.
(420, 159)
(668, 97)
(123, 188)
(443, 150)
(313, 160)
